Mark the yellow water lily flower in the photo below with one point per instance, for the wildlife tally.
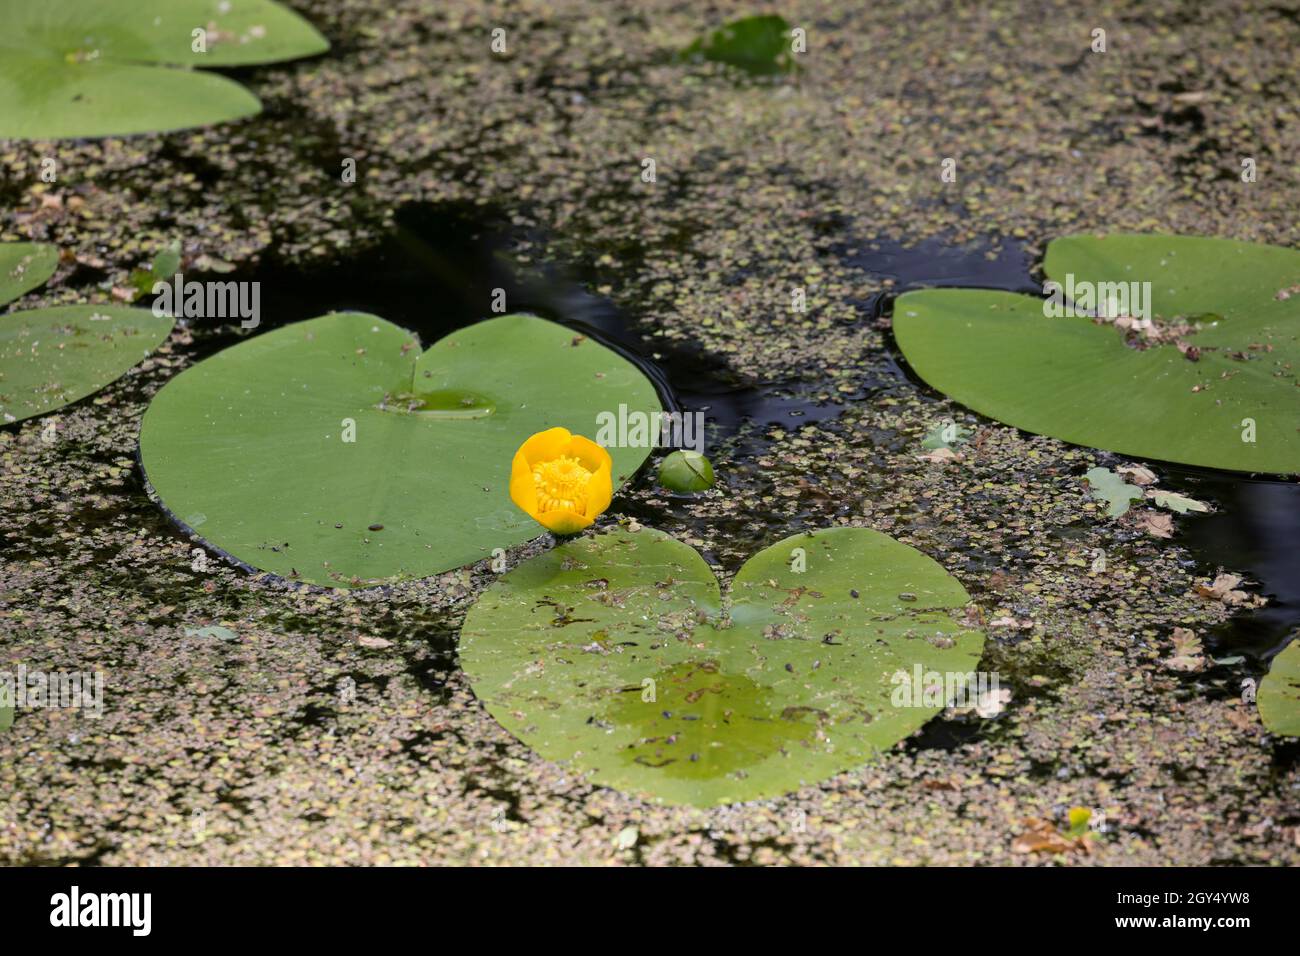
(563, 481)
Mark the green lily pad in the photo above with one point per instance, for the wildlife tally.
(25, 266)
(74, 68)
(53, 357)
(1222, 393)
(1176, 502)
(1112, 489)
(618, 653)
(1279, 693)
(251, 450)
(164, 267)
(945, 434)
(757, 44)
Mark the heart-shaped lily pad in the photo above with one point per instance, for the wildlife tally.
(52, 357)
(618, 653)
(1279, 693)
(1212, 381)
(71, 68)
(332, 451)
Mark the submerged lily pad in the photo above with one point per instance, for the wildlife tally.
(1279, 693)
(1212, 382)
(53, 357)
(758, 45)
(617, 652)
(333, 451)
(72, 68)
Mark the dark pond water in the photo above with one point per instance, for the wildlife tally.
(437, 269)
(436, 272)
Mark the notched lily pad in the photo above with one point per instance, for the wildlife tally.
(335, 452)
(74, 68)
(1279, 693)
(1212, 379)
(617, 652)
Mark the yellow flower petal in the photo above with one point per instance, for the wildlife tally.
(561, 480)
(601, 488)
(589, 453)
(523, 490)
(563, 522)
(546, 445)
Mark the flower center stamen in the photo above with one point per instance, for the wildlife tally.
(561, 485)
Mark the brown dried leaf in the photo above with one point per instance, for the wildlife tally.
(1224, 588)
(1137, 475)
(1009, 621)
(942, 456)
(1241, 717)
(1187, 651)
(1158, 525)
(1041, 837)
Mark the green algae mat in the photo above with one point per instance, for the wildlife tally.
(618, 652)
(336, 452)
(1210, 377)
